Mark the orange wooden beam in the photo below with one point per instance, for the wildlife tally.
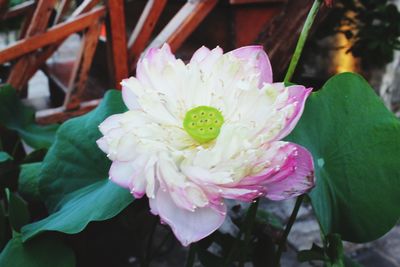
(116, 41)
(54, 34)
(184, 23)
(144, 28)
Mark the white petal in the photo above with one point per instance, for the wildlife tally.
(188, 226)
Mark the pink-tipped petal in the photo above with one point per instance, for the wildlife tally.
(289, 173)
(297, 95)
(188, 226)
(292, 182)
(157, 58)
(257, 54)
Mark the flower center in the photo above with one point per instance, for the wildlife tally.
(203, 123)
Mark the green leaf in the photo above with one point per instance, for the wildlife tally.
(265, 217)
(97, 202)
(315, 253)
(41, 252)
(28, 182)
(4, 156)
(18, 213)
(74, 177)
(15, 116)
(355, 142)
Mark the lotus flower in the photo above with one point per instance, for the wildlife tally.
(196, 134)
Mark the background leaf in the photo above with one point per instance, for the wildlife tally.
(74, 180)
(15, 116)
(355, 142)
(18, 213)
(28, 182)
(4, 156)
(40, 252)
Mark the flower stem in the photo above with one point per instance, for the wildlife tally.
(302, 39)
(191, 256)
(289, 225)
(250, 218)
(246, 227)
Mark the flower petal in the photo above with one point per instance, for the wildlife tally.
(297, 95)
(288, 172)
(291, 182)
(129, 93)
(157, 58)
(121, 173)
(200, 54)
(261, 61)
(188, 226)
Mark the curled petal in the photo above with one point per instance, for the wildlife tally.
(297, 95)
(256, 54)
(288, 174)
(296, 177)
(188, 226)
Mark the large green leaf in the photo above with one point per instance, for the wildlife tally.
(41, 252)
(355, 142)
(15, 116)
(96, 202)
(74, 176)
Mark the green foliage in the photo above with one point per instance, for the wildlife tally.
(18, 213)
(4, 156)
(372, 26)
(28, 183)
(44, 251)
(332, 254)
(74, 176)
(355, 143)
(15, 116)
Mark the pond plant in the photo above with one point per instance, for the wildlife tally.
(185, 141)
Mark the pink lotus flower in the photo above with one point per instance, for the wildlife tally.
(198, 133)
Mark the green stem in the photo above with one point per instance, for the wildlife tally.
(292, 219)
(250, 218)
(302, 39)
(15, 148)
(191, 256)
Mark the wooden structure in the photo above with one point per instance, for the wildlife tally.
(47, 25)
